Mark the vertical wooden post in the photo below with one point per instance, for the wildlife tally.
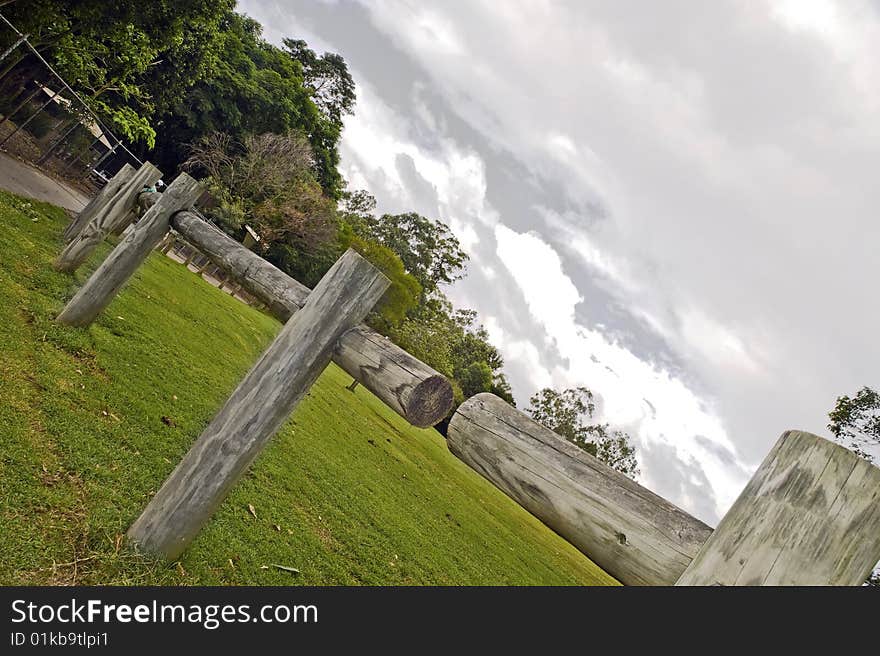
(94, 232)
(99, 202)
(112, 274)
(258, 407)
(809, 516)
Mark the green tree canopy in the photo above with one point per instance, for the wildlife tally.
(566, 413)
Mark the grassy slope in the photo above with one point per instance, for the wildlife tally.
(347, 493)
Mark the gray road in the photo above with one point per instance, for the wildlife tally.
(19, 178)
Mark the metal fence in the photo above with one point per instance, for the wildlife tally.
(46, 123)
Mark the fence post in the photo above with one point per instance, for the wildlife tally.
(99, 202)
(257, 408)
(809, 516)
(111, 275)
(93, 233)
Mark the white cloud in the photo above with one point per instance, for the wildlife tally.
(624, 381)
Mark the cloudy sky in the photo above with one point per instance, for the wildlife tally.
(674, 204)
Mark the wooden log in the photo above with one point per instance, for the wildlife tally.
(630, 532)
(809, 516)
(85, 243)
(103, 285)
(411, 388)
(257, 408)
(99, 202)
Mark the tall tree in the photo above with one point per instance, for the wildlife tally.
(331, 85)
(855, 422)
(106, 51)
(253, 88)
(428, 248)
(566, 413)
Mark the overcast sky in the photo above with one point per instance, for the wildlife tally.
(674, 204)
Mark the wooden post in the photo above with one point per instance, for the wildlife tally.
(411, 388)
(257, 408)
(99, 202)
(630, 532)
(93, 233)
(809, 516)
(112, 274)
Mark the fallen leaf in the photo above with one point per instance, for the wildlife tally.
(168, 421)
(231, 564)
(79, 371)
(252, 511)
(277, 528)
(292, 570)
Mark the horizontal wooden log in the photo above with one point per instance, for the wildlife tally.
(104, 284)
(410, 387)
(809, 516)
(630, 532)
(258, 407)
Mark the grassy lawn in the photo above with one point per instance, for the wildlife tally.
(92, 421)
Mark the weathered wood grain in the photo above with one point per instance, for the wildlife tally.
(630, 532)
(257, 408)
(411, 388)
(103, 285)
(809, 516)
(93, 233)
(99, 202)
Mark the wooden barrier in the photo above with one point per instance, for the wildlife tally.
(411, 388)
(93, 233)
(630, 532)
(99, 202)
(809, 516)
(103, 285)
(258, 407)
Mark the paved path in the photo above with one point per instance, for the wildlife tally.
(19, 178)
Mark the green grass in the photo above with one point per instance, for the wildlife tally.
(92, 421)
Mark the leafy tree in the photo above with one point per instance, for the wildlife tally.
(113, 53)
(268, 179)
(428, 248)
(401, 296)
(254, 88)
(565, 413)
(327, 77)
(855, 422)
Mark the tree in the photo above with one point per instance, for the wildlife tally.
(401, 296)
(269, 180)
(331, 85)
(565, 412)
(253, 88)
(855, 423)
(428, 249)
(124, 57)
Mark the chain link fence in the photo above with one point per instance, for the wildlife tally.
(46, 124)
